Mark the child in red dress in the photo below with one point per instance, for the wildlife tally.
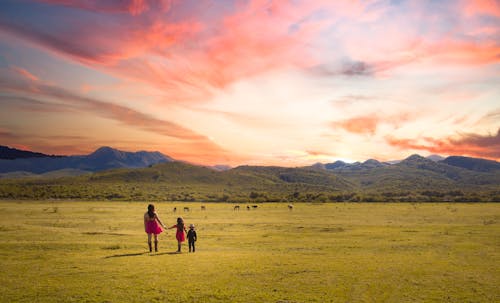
(152, 226)
(179, 235)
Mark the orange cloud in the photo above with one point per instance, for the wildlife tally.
(486, 146)
(481, 7)
(123, 114)
(464, 52)
(359, 125)
(179, 142)
(320, 153)
(368, 124)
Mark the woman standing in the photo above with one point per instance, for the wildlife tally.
(152, 226)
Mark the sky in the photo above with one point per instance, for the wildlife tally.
(256, 82)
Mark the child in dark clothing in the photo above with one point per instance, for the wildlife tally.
(191, 235)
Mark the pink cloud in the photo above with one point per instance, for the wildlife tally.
(24, 73)
(104, 45)
(184, 55)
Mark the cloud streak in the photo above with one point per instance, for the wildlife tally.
(133, 7)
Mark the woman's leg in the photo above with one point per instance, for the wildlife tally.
(149, 243)
(178, 246)
(156, 242)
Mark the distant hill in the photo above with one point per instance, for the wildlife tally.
(368, 164)
(336, 164)
(435, 158)
(475, 164)
(415, 173)
(13, 153)
(102, 159)
(61, 173)
(221, 167)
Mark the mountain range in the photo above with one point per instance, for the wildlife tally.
(14, 160)
(114, 174)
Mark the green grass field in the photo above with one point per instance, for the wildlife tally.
(352, 252)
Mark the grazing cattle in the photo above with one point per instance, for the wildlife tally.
(236, 207)
(175, 209)
(255, 206)
(290, 206)
(186, 208)
(248, 207)
(203, 207)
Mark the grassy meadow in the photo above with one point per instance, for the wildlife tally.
(319, 252)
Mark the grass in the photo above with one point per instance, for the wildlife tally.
(343, 252)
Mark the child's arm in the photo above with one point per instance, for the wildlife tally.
(194, 236)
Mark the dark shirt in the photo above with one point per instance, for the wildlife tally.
(191, 235)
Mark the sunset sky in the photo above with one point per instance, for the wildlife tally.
(252, 82)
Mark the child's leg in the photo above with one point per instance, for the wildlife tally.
(149, 243)
(190, 243)
(156, 242)
(193, 246)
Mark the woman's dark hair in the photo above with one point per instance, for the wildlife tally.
(151, 210)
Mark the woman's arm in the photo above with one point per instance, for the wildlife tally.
(159, 221)
(145, 219)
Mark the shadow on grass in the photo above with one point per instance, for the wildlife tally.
(126, 255)
(140, 254)
(166, 253)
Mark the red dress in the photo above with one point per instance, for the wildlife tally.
(179, 235)
(152, 227)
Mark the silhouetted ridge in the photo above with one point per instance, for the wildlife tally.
(475, 164)
(13, 153)
(336, 164)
